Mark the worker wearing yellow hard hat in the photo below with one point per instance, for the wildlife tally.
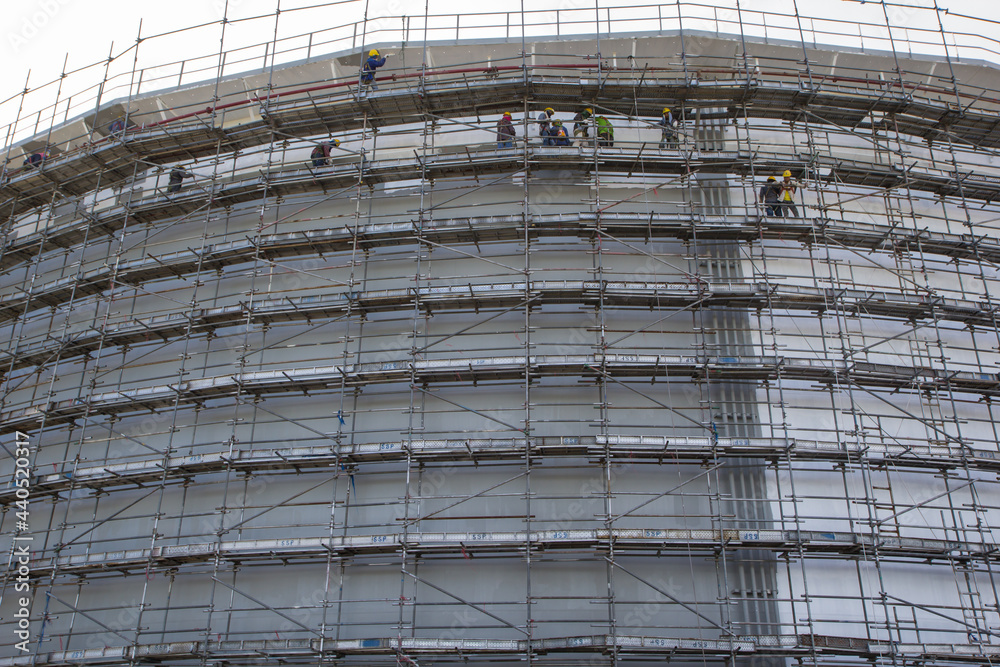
(505, 132)
(543, 125)
(369, 67)
(321, 153)
(770, 192)
(558, 135)
(787, 199)
(668, 129)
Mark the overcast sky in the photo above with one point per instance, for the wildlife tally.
(37, 35)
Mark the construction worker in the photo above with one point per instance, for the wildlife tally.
(558, 135)
(505, 132)
(769, 194)
(117, 126)
(543, 125)
(321, 154)
(368, 69)
(36, 159)
(668, 126)
(605, 132)
(177, 176)
(581, 128)
(787, 197)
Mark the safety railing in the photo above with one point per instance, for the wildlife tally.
(204, 457)
(122, 79)
(636, 150)
(135, 390)
(155, 265)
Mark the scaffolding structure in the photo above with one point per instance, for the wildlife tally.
(437, 400)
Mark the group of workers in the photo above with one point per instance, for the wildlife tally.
(778, 197)
(554, 133)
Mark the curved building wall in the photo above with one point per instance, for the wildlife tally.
(439, 401)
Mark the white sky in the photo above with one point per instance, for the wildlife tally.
(38, 34)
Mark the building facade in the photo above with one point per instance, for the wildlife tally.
(436, 400)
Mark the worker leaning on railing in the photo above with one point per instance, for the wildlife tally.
(581, 125)
(320, 154)
(120, 124)
(37, 159)
(605, 132)
(177, 176)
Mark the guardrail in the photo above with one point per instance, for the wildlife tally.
(607, 294)
(652, 449)
(292, 380)
(129, 74)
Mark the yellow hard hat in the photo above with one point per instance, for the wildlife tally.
(557, 122)
(373, 52)
(589, 110)
(550, 109)
(507, 114)
(787, 173)
(771, 178)
(666, 109)
(336, 143)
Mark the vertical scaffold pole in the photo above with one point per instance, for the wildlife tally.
(802, 40)
(529, 625)
(12, 128)
(52, 123)
(426, 145)
(100, 93)
(597, 32)
(132, 90)
(947, 53)
(241, 364)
